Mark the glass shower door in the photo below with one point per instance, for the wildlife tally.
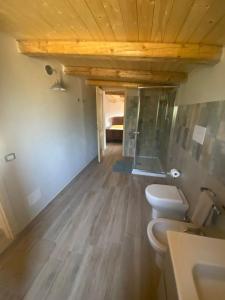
(152, 123)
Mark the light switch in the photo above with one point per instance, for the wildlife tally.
(199, 134)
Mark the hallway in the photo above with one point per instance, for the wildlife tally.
(89, 243)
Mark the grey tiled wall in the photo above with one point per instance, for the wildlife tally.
(131, 112)
(201, 165)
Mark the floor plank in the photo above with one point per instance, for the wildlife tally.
(89, 243)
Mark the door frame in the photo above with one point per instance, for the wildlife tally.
(124, 121)
(100, 122)
(4, 220)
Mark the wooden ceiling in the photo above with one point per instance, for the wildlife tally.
(181, 22)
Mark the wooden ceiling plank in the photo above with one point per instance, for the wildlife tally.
(62, 14)
(117, 74)
(217, 34)
(183, 21)
(179, 12)
(198, 11)
(107, 83)
(113, 12)
(57, 14)
(124, 50)
(129, 12)
(49, 19)
(145, 19)
(13, 16)
(161, 16)
(207, 23)
(85, 14)
(101, 18)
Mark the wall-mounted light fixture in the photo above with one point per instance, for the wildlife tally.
(59, 84)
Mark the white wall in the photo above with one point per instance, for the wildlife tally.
(52, 133)
(204, 84)
(113, 109)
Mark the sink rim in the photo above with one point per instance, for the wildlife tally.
(210, 273)
(197, 250)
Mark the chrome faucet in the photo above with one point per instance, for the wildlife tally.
(215, 207)
(203, 188)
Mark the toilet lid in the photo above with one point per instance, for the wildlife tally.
(166, 193)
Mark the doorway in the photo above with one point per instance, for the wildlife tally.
(114, 117)
(6, 234)
(110, 119)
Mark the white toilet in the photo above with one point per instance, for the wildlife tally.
(167, 201)
(157, 228)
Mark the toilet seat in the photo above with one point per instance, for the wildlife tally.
(167, 201)
(157, 232)
(164, 193)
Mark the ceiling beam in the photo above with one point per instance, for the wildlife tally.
(118, 74)
(116, 93)
(109, 83)
(125, 50)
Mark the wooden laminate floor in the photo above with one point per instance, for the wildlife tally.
(90, 243)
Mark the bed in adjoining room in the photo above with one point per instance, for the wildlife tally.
(114, 133)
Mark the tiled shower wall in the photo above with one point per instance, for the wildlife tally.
(201, 165)
(147, 144)
(130, 122)
(165, 118)
(154, 123)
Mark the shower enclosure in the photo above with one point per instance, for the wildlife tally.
(153, 127)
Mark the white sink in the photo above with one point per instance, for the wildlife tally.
(199, 266)
(209, 281)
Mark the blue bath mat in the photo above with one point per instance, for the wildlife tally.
(124, 165)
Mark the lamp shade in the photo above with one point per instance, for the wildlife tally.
(58, 86)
